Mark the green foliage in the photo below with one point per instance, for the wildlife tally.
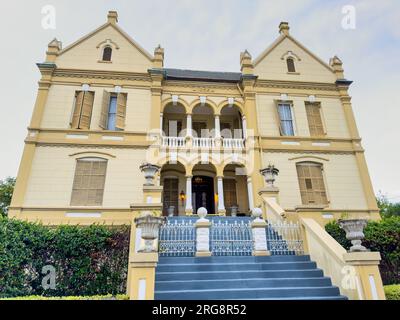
(387, 209)
(88, 260)
(382, 236)
(392, 292)
(6, 192)
(104, 297)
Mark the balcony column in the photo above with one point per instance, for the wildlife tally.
(189, 125)
(189, 207)
(221, 202)
(161, 123)
(250, 193)
(217, 127)
(244, 127)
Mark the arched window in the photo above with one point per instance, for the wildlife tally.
(107, 53)
(290, 65)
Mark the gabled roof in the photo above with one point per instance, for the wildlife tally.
(118, 29)
(279, 40)
(196, 75)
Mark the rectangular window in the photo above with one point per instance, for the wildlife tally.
(230, 197)
(82, 112)
(314, 118)
(112, 113)
(88, 187)
(170, 195)
(286, 119)
(311, 182)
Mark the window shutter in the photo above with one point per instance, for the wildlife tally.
(77, 109)
(121, 111)
(314, 119)
(88, 187)
(87, 107)
(311, 183)
(104, 110)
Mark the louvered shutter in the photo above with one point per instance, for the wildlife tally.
(314, 119)
(104, 110)
(86, 113)
(121, 111)
(76, 114)
(88, 187)
(311, 183)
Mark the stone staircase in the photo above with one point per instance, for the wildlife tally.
(285, 277)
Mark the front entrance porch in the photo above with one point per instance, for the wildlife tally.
(229, 194)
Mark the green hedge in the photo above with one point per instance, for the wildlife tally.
(106, 297)
(88, 260)
(392, 292)
(382, 236)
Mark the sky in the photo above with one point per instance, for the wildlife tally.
(209, 35)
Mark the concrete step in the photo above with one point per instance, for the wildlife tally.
(234, 259)
(242, 283)
(247, 293)
(236, 266)
(242, 274)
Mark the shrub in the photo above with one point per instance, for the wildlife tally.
(392, 292)
(382, 236)
(105, 297)
(87, 260)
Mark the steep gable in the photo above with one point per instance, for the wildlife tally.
(86, 53)
(271, 64)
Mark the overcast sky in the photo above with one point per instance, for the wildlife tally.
(209, 35)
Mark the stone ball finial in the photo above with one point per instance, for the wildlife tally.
(256, 213)
(202, 212)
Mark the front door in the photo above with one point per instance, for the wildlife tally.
(203, 193)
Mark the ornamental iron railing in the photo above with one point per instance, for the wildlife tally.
(231, 238)
(177, 238)
(228, 237)
(284, 238)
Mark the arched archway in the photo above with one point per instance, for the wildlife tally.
(203, 188)
(231, 122)
(174, 120)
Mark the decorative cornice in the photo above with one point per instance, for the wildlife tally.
(200, 86)
(296, 85)
(94, 74)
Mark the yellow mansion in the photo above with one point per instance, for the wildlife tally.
(109, 116)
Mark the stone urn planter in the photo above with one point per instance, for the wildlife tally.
(150, 226)
(234, 211)
(354, 229)
(270, 174)
(171, 211)
(149, 171)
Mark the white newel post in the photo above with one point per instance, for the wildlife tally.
(202, 234)
(189, 125)
(244, 127)
(250, 193)
(189, 208)
(258, 229)
(221, 202)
